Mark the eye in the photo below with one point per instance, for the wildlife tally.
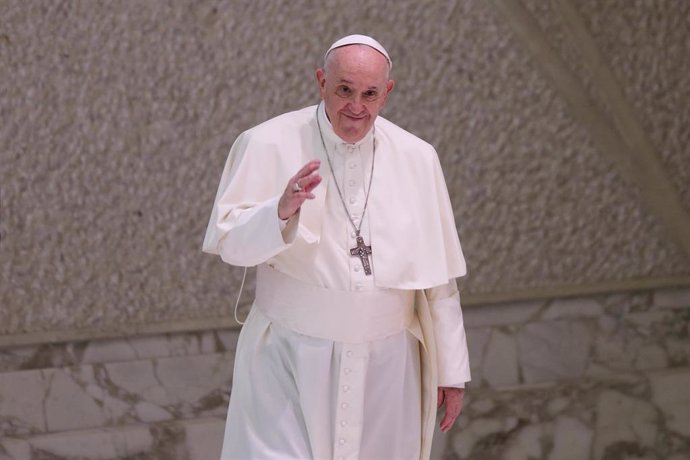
(343, 91)
(371, 94)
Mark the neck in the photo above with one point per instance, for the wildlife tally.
(331, 135)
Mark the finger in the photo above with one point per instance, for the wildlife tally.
(447, 424)
(448, 420)
(296, 199)
(300, 197)
(305, 185)
(310, 182)
(307, 169)
(452, 411)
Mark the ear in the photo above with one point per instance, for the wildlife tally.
(321, 78)
(390, 85)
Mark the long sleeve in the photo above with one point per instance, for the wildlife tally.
(253, 234)
(244, 228)
(449, 330)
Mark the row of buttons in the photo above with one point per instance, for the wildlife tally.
(353, 195)
(347, 371)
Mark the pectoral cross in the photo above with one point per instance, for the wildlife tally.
(363, 252)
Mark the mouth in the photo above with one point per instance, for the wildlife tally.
(355, 117)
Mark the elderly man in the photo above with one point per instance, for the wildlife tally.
(356, 333)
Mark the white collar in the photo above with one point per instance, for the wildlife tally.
(329, 135)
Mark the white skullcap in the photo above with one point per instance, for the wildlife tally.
(361, 40)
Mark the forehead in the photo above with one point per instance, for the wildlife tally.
(357, 64)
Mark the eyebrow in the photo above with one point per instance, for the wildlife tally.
(349, 82)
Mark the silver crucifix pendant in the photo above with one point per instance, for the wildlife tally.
(363, 252)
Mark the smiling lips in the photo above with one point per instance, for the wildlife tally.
(355, 117)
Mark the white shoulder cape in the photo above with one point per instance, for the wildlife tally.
(413, 233)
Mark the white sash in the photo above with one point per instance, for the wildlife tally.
(343, 316)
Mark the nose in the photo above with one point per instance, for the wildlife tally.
(356, 104)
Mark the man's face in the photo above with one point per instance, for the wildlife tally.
(354, 86)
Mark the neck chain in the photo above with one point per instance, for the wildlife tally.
(361, 250)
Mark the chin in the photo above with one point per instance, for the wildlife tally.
(354, 133)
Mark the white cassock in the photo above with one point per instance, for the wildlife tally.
(329, 363)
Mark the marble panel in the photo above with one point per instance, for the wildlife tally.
(572, 308)
(98, 351)
(678, 351)
(204, 438)
(114, 350)
(199, 439)
(73, 399)
(149, 412)
(480, 433)
(22, 398)
(190, 379)
(103, 395)
(572, 440)
(553, 350)
(672, 298)
(528, 442)
(95, 444)
(652, 356)
(671, 393)
(504, 314)
(135, 378)
(610, 351)
(623, 419)
(609, 418)
(500, 365)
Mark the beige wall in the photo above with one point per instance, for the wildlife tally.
(117, 116)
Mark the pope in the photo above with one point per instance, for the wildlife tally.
(356, 336)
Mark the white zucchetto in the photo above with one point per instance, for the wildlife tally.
(357, 39)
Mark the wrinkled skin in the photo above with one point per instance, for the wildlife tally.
(452, 398)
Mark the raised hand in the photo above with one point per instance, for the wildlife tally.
(299, 189)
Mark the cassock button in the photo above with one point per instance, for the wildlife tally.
(343, 405)
(351, 183)
(353, 200)
(347, 370)
(346, 388)
(357, 268)
(349, 353)
(353, 235)
(341, 441)
(343, 423)
(353, 165)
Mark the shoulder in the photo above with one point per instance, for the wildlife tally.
(278, 142)
(403, 141)
(288, 123)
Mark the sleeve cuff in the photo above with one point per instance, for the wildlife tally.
(288, 227)
(455, 385)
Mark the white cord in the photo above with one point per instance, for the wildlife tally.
(240, 295)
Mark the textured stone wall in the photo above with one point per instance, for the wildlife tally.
(117, 116)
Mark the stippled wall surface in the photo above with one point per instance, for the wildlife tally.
(117, 117)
